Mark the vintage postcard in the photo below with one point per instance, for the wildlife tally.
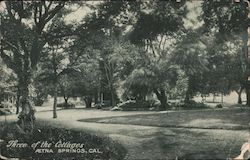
(125, 80)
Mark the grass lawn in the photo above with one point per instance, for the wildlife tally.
(199, 144)
(186, 144)
(204, 134)
(234, 119)
(190, 134)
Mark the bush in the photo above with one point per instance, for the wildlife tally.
(219, 106)
(190, 105)
(109, 148)
(98, 105)
(131, 105)
(38, 101)
(105, 103)
(6, 105)
(66, 106)
(40, 98)
(5, 111)
(6, 108)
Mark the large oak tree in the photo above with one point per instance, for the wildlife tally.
(24, 34)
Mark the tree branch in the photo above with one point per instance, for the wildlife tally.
(52, 13)
(35, 16)
(8, 6)
(23, 45)
(8, 60)
(12, 46)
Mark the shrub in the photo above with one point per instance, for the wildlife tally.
(38, 101)
(136, 105)
(6, 108)
(192, 104)
(5, 111)
(6, 105)
(105, 103)
(219, 106)
(64, 105)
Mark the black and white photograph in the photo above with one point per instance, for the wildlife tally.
(125, 80)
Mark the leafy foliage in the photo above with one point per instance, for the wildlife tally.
(225, 16)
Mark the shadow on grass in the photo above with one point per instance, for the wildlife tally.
(186, 144)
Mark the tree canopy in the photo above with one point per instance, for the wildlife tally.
(134, 48)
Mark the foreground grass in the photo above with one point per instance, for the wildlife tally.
(204, 134)
(107, 148)
(188, 144)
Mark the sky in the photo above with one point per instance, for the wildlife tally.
(80, 12)
(194, 8)
(2, 6)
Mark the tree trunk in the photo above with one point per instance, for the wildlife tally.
(163, 101)
(239, 95)
(213, 97)
(55, 102)
(96, 98)
(18, 100)
(162, 98)
(246, 62)
(112, 97)
(55, 80)
(222, 96)
(101, 98)
(27, 115)
(247, 90)
(239, 99)
(188, 94)
(187, 98)
(88, 101)
(65, 101)
(248, 96)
